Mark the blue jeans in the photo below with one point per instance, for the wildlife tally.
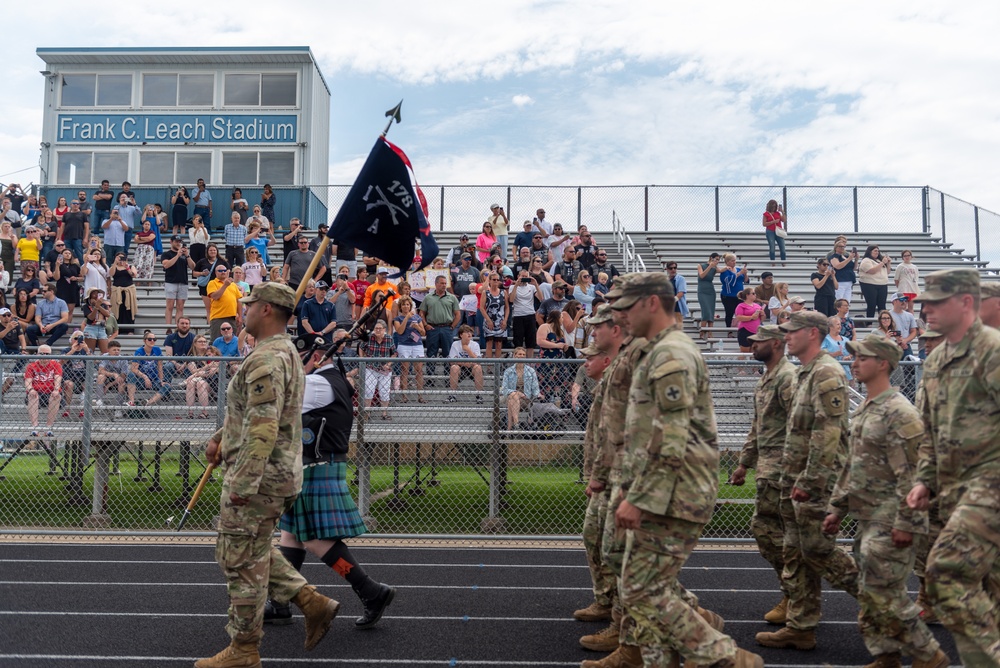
(502, 240)
(34, 331)
(128, 241)
(773, 238)
(154, 381)
(439, 340)
(111, 251)
(76, 245)
(96, 218)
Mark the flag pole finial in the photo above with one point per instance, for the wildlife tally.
(393, 115)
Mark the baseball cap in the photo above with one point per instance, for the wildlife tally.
(464, 237)
(494, 206)
(323, 226)
(900, 296)
(527, 223)
(272, 293)
(383, 270)
(941, 285)
(768, 333)
(804, 320)
(796, 300)
(5, 311)
(322, 285)
(176, 237)
(766, 274)
(876, 345)
(466, 256)
(560, 284)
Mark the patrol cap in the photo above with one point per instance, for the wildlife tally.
(989, 289)
(591, 351)
(941, 285)
(875, 345)
(643, 285)
(768, 333)
(619, 284)
(804, 320)
(931, 334)
(601, 315)
(272, 293)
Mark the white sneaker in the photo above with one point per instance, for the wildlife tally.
(99, 403)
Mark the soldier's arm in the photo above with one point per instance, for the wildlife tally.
(926, 455)
(590, 437)
(903, 439)
(672, 392)
(264, 389)
(824, 457)
(841, 493)
(748, 455)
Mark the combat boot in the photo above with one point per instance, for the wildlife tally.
(626, 656)
(742, 659)
(890, 660)
(319, 612)
(605, 640)
(237, 655)
(593, 613)
(788, 638)
(375, 606)
(714, 620)
(277, 613)
(939, 660)
(779, 613)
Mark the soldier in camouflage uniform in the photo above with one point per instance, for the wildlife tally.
(603, 578)
(989, 306)
(670, 480)
(959, 400)
(815, 453)
(886, 432)
(763, 449)
(260, 449)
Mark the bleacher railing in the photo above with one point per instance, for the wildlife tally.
(457, 208)
(460, 463)
(631, 259)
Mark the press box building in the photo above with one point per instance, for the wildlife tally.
(162, 117)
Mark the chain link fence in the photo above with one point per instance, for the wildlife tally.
(441, 447)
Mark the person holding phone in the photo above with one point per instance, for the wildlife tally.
(774, 219)
(843, 263)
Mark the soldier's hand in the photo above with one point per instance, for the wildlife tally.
(919, 497)
(831, 524)
(902, 539)
(739, 476)
(800, 495)
(594, 487)
(627, 516)
(213, 455)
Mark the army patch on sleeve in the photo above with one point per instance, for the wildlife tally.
(259, 387)
(669, 385)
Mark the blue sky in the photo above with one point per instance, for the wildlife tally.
(612, 92)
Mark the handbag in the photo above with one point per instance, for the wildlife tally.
(780, 231)
(203, 280)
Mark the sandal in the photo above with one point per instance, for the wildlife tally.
(420, 399)
(403, 399)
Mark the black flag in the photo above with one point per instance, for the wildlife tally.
(385, 211)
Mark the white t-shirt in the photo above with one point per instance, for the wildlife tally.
(522, 299)
(458, 352)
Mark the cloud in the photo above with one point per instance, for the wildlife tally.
(522, 100)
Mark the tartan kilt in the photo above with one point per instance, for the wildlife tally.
(324, 510)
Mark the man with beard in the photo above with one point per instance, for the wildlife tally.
(763, 449)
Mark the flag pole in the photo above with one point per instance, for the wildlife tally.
(393, 115)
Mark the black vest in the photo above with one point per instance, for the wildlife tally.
(326, 430)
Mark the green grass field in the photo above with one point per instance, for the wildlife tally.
(540, 500)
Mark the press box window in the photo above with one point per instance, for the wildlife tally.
(261, 90)
(168, 167)
(85, 167)
(103, 90)
(276, 168)
(172, 90)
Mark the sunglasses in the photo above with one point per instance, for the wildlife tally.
(150, 338)
(225, 329)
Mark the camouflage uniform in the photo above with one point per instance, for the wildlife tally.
(670, 470)
(762, 451)
(885, 435)
(261, 449)
(603, 577)
(959, 401)
(815, 452)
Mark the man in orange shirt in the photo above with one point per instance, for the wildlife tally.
(381, 284)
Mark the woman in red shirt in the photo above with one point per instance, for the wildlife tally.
(775, 219)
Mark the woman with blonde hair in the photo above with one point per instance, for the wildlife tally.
(779, 301)
(198, 239)
(274, 275)
(410, 330)
(8, 242)
(202, 376)
(519, 388)
(257, 238)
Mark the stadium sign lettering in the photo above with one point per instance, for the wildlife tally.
(160, 128)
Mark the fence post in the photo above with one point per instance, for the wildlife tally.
(717, 228)
(979, 255)
(855, 209)
(925, 209)
(76, 496)
(645, 204)
(784, 199)
(220, 398)
(442, 209)
(944, 233)
(507, 210)
(579, 205)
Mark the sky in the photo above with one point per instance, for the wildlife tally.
(607, 93)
